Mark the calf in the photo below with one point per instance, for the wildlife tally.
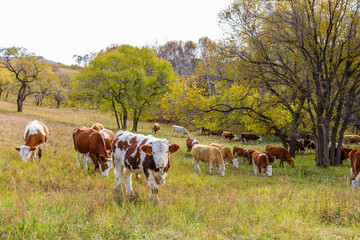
(226, 154)
(35, 135)
(209, 154)
(260, 161)
(250, 137)
(179, 129)
(90, 143)
(155, 128)
(354, 156)
(239, 152)
(136, 153)
(229, 135)
(190, 142)
(280, 153)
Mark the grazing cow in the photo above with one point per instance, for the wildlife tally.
(229, 135)
(351, 139)
(136, 153)
(248, 155)
(354, 168)
(35, 135)
(190, 142)
(226, 154)
(205, 131)
(209, 154)
(344, 155)
(239, 152)
(250, 137)
(309, 144)
(260, 161)
(179, 129)
(90, 143)
(299, 146)
(97, 126)
(280, 153)
(155, 128)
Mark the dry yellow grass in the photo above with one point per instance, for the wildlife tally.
(55, 200)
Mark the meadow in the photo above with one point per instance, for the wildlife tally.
(53, 199)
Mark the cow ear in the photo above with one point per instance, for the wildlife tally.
(147, 149)
(173, 148)
(33, 149)
(17, 148)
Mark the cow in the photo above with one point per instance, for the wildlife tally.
(248, 155)
(344, 155)
(351, 139)
(309, 144)
(108, 137)
(209, 154)
(205, 131)
(239, 152)
(190, 142)
(260, 161)
(250, 137)
(226, 154)
(137, 153)
(280, 153)
(179, 129)
(229, 135)
(354, 156)
(97, 126)
(35, 135)
(155, 128)
(299, 146)
(90, 143)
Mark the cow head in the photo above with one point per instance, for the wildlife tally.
(291, 162)
(269, 170)
(160, 150)
(260, 139)
(222, 170)
(235, 163)
(105, 164)
(26, 152)
(355, 181)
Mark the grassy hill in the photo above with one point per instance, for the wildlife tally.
(54, 199)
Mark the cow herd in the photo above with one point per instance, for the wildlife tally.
(137, 153)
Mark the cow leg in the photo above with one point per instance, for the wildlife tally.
(128, 183)
(119, 172)
(39, 153)
(154, 187)
(210, 167)
(78, 158)
(281, 163)
(256, 170)
(196, 164)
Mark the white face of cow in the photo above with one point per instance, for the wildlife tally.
(26, 152)
(160, 153)
(222, 170)
(235, 138)
(355, 183)
(269, 170)
(109, 165)
(235, 163)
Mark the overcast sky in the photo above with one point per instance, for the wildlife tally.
(57, 30)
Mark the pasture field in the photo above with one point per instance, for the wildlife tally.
(54, 199)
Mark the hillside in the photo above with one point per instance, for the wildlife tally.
(54, 199)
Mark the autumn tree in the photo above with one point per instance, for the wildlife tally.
(126, 80)
(310, 46)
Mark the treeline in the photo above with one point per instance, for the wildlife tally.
(289, 68)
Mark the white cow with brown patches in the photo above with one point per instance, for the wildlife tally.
(136, 153)
(35, 135)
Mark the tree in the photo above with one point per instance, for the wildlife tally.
(126, 80)
(310, 46)
(25, 69)
(5, 80)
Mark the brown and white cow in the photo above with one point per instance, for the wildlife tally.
(229, 135)
(299, 146)
(108, 137)
(260, 161)
(35, 135)
(239, 152)
(155, 128)
(226, 154)
(90, 143)
(354, 168)
(209, 154)
(280, 153)
(250, 137)
(309, 144)
(136, 153)
(248, 155)
(344, 155)
(190, 142)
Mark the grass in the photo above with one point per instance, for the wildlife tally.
(54, 199)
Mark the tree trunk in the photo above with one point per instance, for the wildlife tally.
(20, 98)
(322, 149)
(292, 146)
(124, 121)
(135, 124)
(7, 94)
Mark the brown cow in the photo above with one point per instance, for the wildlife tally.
(155, 128)
(248, 155)
(280, 153)
(35, 135)
(229, 135)
(209, 154)
(260, 161)
(226, 154)
(354, 168)
(299, 146)
(90, 143)
(344, 155)
(351, 139)
(250, 137)
(190, 142)
(97, 126)
(239, 152)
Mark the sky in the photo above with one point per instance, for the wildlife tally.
(57, 30)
